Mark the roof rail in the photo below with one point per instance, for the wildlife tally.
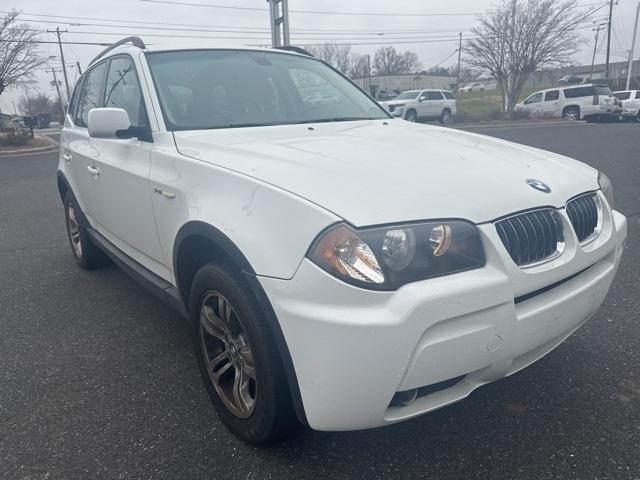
(291, 48)
(135, 41)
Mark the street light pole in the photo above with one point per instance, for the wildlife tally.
(633, 44)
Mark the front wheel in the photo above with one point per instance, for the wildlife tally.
(237, 356)
(445, 117)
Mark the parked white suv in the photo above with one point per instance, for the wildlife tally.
(338, 267)
(588, 102)
(630, 100)
(414, 105)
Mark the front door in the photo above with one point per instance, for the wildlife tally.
(123, 210)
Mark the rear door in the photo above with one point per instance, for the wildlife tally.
(123, 210)
(551, 104)
(435, 103)
(77, 151)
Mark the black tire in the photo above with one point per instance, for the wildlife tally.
(87, 255)
(571, 113)
(272, 415)
(445, 117)
(638, 117)
(411, 116)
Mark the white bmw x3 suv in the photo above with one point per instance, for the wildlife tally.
(339, 268)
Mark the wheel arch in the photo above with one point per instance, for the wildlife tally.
(567, 107)
(206, 243)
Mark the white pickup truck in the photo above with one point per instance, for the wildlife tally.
(630, 100)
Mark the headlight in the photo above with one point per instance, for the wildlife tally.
(385, 258)
(607, 188)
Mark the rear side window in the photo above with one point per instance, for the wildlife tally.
(622, 95)
(600, 90)
(73, 104)
(123, 91)
(551, 95)
(434, 96)
(91, 96)
(579, 92)
(448, 95)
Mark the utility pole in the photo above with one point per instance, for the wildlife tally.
(633, 44)
(606, 68)
(55, 81)
(459, 59)
(279, 13)
(79, 68)
(595, 46)
(64, 66)
(368, 74)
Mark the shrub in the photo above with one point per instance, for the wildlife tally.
(520, 114)
(13, 139)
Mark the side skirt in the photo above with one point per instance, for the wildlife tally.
(158, 286)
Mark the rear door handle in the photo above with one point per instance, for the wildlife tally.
(94, 171)
(67, 157)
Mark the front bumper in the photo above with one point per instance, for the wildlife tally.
(354, 349)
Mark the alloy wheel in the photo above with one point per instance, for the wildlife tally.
(74, 231)
(227, 355)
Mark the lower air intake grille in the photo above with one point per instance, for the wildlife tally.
(583, 213)
(531, 237)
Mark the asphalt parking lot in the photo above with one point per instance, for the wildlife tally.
(97, 378)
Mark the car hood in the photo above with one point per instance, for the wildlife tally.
(398, 102)
(375, 172)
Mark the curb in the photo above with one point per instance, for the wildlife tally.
(463, 126)
(53, 146)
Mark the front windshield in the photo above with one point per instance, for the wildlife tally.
(411, 95)
(204, 89)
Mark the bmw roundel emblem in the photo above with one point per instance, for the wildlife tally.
(538, 185)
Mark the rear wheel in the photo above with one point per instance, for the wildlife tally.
(85, 253)
(571, 113)
(411, 116)
(237, 356)
(445, 116)
(638, 117)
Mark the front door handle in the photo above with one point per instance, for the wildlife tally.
(94, 171)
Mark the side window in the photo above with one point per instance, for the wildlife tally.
(535, 98)
(448, 95)
(579, 92)
(434, 96)
(123, 91)
(551, 95)
(91, 96)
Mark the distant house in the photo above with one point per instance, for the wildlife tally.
(6, 122)
(380, 86)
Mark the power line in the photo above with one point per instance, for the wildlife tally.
(171, 26)
(316, 12)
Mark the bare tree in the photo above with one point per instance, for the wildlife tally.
(388, 61)
(359, 66)
(19, 55)
(32, 105)
(338, 56)
(516, 38)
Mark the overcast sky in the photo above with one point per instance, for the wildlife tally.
(436, 33)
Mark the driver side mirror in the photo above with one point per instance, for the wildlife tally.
(422, 98)
(108, 123)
